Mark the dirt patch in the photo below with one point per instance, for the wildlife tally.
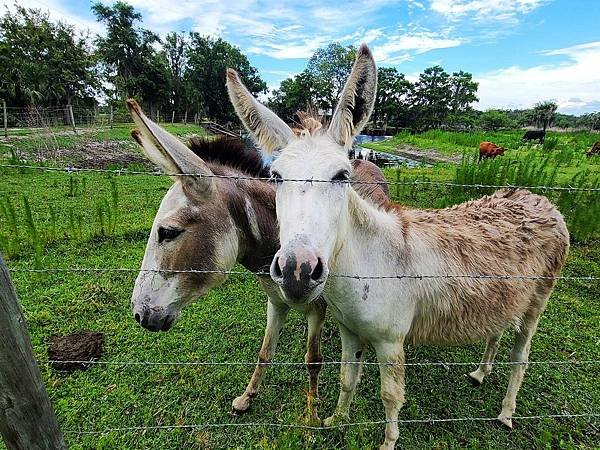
(429, 155)
(82, 346)
(100, 155)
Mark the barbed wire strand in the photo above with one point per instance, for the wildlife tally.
(334, 275)
(323, 363)
(322, 428)
(298, 180)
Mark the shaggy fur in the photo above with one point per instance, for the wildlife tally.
(509, 233)
(231, 153)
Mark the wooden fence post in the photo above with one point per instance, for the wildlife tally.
(5, 118)
(185, 118)
(172, 117)
(158, 116)
(111, 117)
(27, 421)
(72, 118)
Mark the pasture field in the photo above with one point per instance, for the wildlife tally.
(97, 220)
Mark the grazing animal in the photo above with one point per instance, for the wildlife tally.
(489, 150)
(595, 150)
(533, 135)
(330, 236)
(209, 224)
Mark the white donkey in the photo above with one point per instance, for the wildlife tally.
(211, 221)
(326, 226)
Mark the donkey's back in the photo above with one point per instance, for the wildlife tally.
(511, 233)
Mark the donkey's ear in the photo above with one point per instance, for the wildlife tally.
(356, 102)
(269, 131)
(170, 154)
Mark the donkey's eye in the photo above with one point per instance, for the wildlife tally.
(342, 175)
(275, 177)
(168, 234)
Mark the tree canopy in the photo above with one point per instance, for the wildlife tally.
(42, 62)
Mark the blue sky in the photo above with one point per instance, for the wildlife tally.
(520, 51)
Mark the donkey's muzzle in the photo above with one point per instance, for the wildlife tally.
(300, 274)
(154, 320)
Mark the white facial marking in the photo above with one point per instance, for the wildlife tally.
(252, 220)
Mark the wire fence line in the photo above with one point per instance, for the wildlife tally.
(323, 428)
(334, 275)
(448, 364)
(71, 170)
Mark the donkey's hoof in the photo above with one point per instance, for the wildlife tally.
(241, 404)
(336, 419)
(505, 422)
(475, 378)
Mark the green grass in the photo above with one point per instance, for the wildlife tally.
(227, 325)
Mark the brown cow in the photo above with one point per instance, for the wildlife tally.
(489, 150)
(595, 150)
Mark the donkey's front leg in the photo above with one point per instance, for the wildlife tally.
(350, 371)
(391, 359)
(276, 315)
(313, 357)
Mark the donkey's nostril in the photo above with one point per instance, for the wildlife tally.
(277, 268)
(318, 272)
(137, 318)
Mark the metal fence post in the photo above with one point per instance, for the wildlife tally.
(27, 421)
(172, 117)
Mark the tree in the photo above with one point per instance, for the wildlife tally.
(43, 63)
(329, 69)
(543, 113)
(294, 94)
(208, 59)
(463, 92)
(175, 50)
(390, 102)
(430, 98)
(591, 120)
(495, 119)
(130, 61)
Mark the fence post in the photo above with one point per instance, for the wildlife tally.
(5, 118)
(185, 118)
(158, 116)
(72, 118)
(111, 117)
(27, 420)
(172, 117)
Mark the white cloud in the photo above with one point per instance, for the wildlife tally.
(57, 12)
(398, 48)
(499, 10)
(573, 84)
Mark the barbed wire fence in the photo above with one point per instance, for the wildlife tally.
(400, 276)
(16, 119)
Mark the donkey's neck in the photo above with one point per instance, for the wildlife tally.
(252, 207)
(365, 227)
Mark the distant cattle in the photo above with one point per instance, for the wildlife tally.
(489, 150)
(595, 150)
(533, 135)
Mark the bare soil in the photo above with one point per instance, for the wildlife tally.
(429, 155)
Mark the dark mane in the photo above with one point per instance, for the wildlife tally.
(229, 152)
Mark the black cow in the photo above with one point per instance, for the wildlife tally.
(533, 135)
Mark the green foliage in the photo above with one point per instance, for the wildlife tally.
(208, 59)
(495, 119)
(42, 62)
